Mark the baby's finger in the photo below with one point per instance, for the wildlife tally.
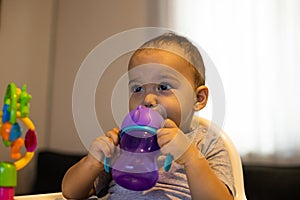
(166, 135)
(177, 145)
(105, 145)
(168, 123)
(162, 131)
(114, 135)
(163, 140)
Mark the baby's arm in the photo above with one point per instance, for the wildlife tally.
(78, 182)
(202, 181)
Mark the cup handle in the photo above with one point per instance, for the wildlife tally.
(168, 162)
(106, 164)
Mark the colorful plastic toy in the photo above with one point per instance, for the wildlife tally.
(16, 107)
(136, 168)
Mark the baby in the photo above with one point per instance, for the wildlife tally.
(166, 74)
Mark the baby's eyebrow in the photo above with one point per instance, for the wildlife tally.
(131, 82)
(162, 77)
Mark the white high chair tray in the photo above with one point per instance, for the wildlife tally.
(50, 196)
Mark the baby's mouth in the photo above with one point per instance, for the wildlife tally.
(161, 110)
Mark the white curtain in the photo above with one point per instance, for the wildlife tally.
(255, 45)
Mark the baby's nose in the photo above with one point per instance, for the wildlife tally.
(150, 100)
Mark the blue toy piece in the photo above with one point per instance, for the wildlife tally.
(5, 113)
(15, 132)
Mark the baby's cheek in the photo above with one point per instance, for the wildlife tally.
(175, 116)
(133, 103)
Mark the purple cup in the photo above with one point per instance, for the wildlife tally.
(136, 168)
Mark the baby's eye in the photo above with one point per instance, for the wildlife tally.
(137, 89)
(164, 86)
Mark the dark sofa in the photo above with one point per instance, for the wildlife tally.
(261, 182)
(272, 182)
(51, 167)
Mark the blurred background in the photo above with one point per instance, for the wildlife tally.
(255, 46)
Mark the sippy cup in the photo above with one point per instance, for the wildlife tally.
(136, 167)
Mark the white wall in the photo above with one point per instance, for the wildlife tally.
(42, 44)
(81, 25)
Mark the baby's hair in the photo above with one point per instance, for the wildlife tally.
(181, 46)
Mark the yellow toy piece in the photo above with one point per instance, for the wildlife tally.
(24, 160)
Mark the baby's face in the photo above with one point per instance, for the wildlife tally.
(165, 82)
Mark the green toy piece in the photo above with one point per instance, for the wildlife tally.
(8, 175)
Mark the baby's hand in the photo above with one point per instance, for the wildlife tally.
(173, 141)
(104, 146)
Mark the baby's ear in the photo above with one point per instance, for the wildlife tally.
(201, 97)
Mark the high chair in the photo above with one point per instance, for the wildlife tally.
(234, 157)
